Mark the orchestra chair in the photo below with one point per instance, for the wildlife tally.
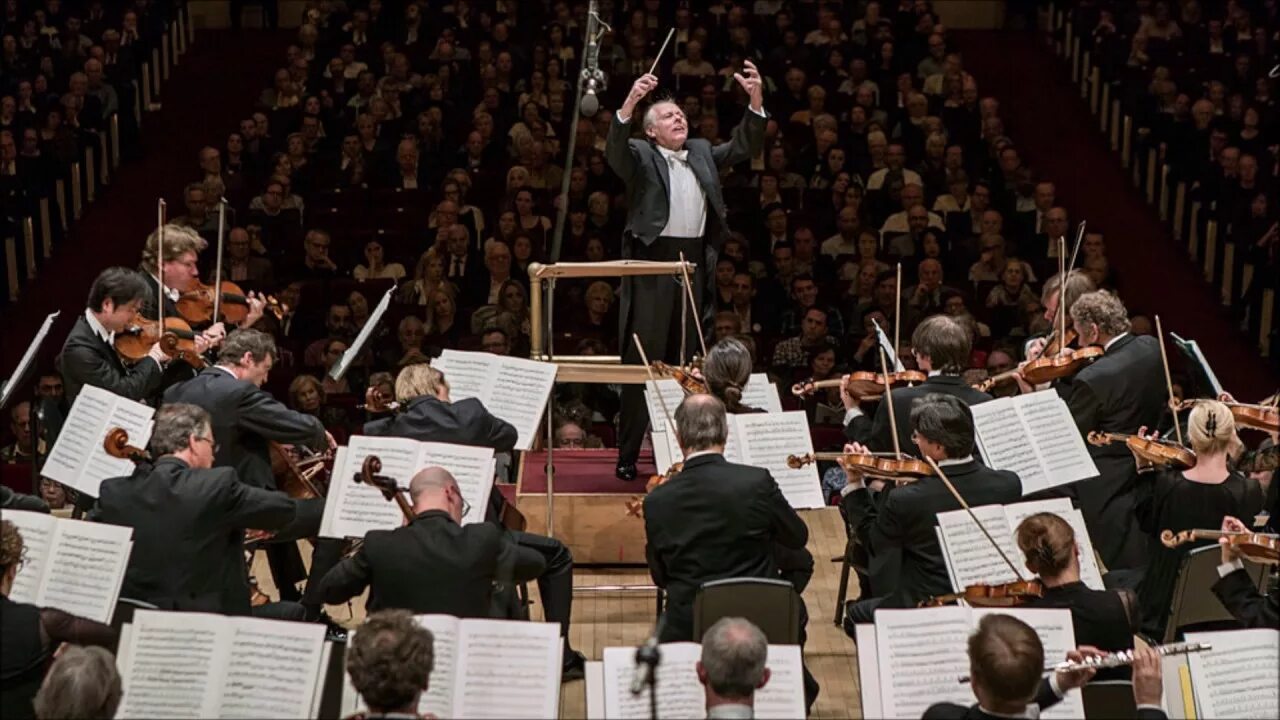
(1193, 599)
(771, 605)
(1109, 699)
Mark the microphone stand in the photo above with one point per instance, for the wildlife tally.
(590, 63)
(648, 658)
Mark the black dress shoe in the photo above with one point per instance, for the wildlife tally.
(625, 471)
(574, 668)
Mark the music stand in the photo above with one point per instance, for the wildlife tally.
(344, 363)
(18, 377)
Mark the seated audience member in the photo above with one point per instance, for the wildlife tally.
(464, 562)
(389, 660)
(32, 634)
(1006, 665)
(82, 684)
(375, 267)
(732, 667)
(1103, 619)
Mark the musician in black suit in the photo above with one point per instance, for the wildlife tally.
(89, 357)
(1104, 619)
(1006, 659)
(714, 520)
(941, 347)
(1121, 392)
(1237, 591)
(435, 564)
(898, 529)
(188, 521)
(246, 420)
(674, 207)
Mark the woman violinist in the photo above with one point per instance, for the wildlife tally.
(1102, 618)
(1179, 500)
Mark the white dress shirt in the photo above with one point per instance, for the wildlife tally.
(687, 205)
(107, 336)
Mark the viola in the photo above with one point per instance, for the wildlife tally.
(1155, 452)
(1261, 548)
(196, 305)
(1010, 594)
(116, 444)
(1045, 369)
(301, 478)
(877, 465)
(177, 340)
(691, 384)
(863, 385)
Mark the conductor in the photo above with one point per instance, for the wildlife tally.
(672, 181)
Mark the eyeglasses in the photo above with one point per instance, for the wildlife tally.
(466, 506)
(212, 445)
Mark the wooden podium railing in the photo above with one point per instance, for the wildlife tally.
(606, 369)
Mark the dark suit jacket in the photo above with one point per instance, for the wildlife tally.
(1099, 619)
(245, 419)
(714, 520)
(465, 422)
(874, 432)
(647, 177)
(897, 529)
(1045, 698)
(1120, 392)
(87, 360)
(432, 565)
(1240, 596)
(188, 533)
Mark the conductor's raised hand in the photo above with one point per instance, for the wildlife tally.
(750, 81)
(639, 89)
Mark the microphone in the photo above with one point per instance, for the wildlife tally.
(647, 658)
(593, 77)
(590, 103)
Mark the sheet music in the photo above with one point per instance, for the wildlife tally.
(971, 554)
(471, 466)
(1058, 443)
(595, 689)
(680, 695)
(20, 371)
(272, 669)
(514, 389)
(1237, 679)
(767, 439)
(1057, 635)
(353, 509)
(37, 530)
(761, 393)
(78, 458)
(666, 449)
(783, 696)
(91, 559)
(357, 346)
(1006, 444)
(868, 670)
(922, 654)
(1090, 573)
(512, 670)
(175, 665)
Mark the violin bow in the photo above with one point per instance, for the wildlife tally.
(217, 273)
(1062, 293)
(888, 398)
(956, 494)
(160, 219)
(1075, 252)
(693, 303)
(653, 379)
(897, 312)
(1168, 380)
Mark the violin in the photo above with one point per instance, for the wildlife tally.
(377, 402)
(116, 444)
(196, 305)
(877, 465)
(299, 479)
(177, 340)
(690, 383)
(1155, 452)
(1010, 594)
(863, 385)
(1261, 548)
(1053, 347)
(1258, 417)
(368, 475)
(656, 480)
(1045, 369)
(1263, 460)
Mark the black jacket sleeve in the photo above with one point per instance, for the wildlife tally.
(253, 508)
(517, 563)
(744, 142)
(89, 368)
(10, 500)
(1240, 596)
(790, 530)
(345, 580)
(263, 415)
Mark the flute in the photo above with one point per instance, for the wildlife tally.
(1124, 657)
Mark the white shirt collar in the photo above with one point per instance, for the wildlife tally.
(699, 453)
(935, 373)
(1112, 341)
(678, 154)
(226, 370)
(171, 292)
(97, 328)
(955, 461)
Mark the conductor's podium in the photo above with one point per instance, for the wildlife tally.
(592, 514)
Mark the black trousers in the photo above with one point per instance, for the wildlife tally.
(651, 309)
(555, 584)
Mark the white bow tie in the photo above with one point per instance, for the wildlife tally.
(681, 155)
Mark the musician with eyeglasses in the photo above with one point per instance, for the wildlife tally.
(189, 520)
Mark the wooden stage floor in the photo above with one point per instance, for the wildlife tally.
(603, 620)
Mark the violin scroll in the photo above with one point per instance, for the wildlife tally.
(796, 462)
(1170, 539)
(116, 444)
